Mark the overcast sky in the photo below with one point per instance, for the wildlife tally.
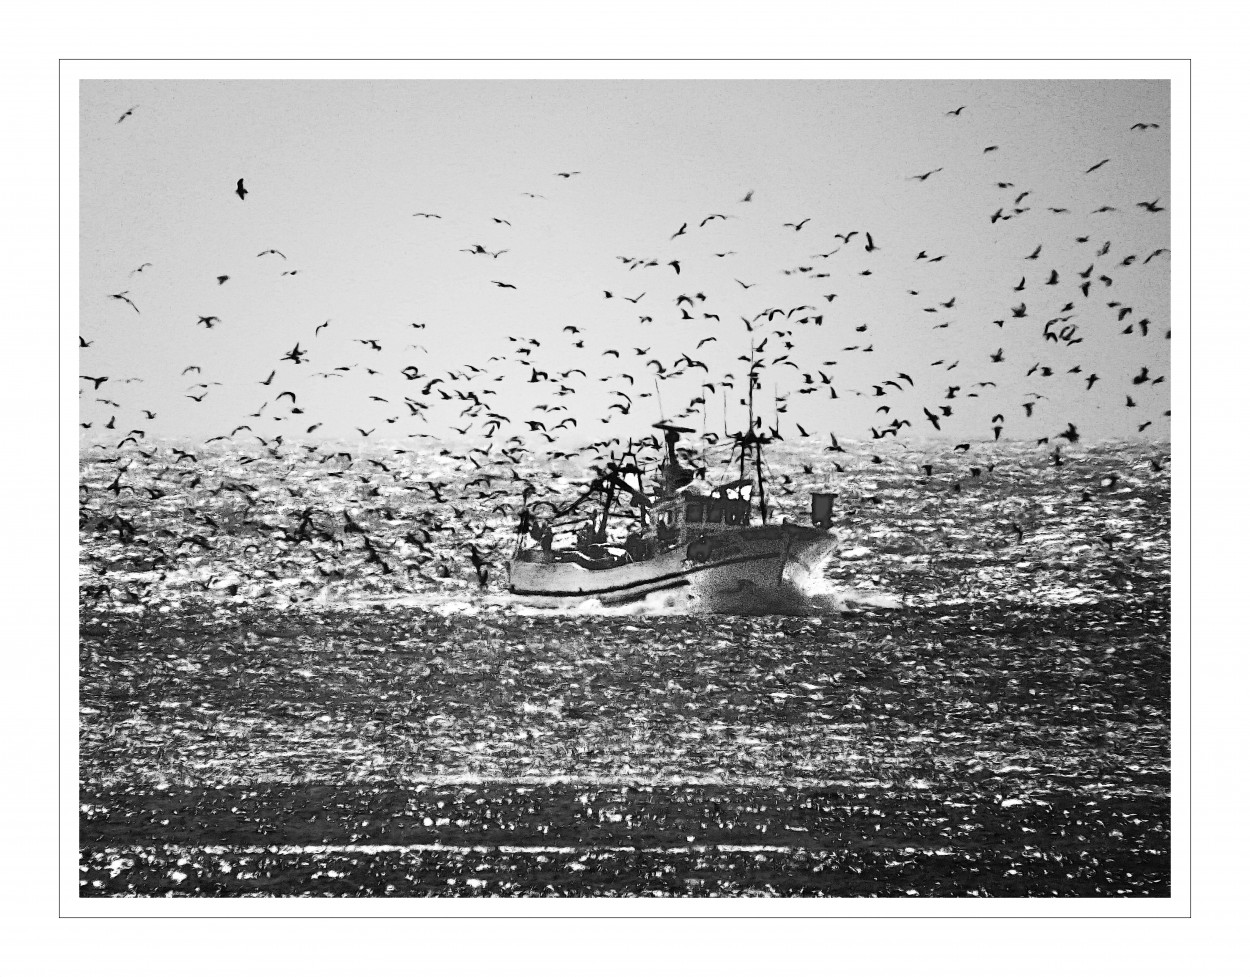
(336, 171)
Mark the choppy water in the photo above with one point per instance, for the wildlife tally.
(293, 529)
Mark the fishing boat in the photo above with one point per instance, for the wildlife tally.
(711, 547)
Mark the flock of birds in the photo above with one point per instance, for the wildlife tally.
(1046, 300)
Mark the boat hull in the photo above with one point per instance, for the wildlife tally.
(746, 571)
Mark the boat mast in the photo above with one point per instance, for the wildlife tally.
(609, 496)
(754, 438)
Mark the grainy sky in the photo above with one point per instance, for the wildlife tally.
(336, 170)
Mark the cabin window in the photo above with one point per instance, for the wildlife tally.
(694, 512)
(715, 511)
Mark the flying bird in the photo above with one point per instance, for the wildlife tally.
(502, 284)
(240, 190)
(925, 176)
(125, 115)
(957, 111)
(124, 298)
(1096, 165)
(208, 321)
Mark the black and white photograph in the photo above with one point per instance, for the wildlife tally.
(696, 488)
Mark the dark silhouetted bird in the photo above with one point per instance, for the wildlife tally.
(124, 298)
(240, 190)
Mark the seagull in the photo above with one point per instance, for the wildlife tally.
(436, 216)
(129, 112)
(502, 284)
(569, 174)
(122, 296)
(208, 321)
(1152, 205)
(957, 111)
(146, 264)
(799, 225)
(240, 189)
(1096, 165)
(272, 251)
(747, 198)
(925, 176)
